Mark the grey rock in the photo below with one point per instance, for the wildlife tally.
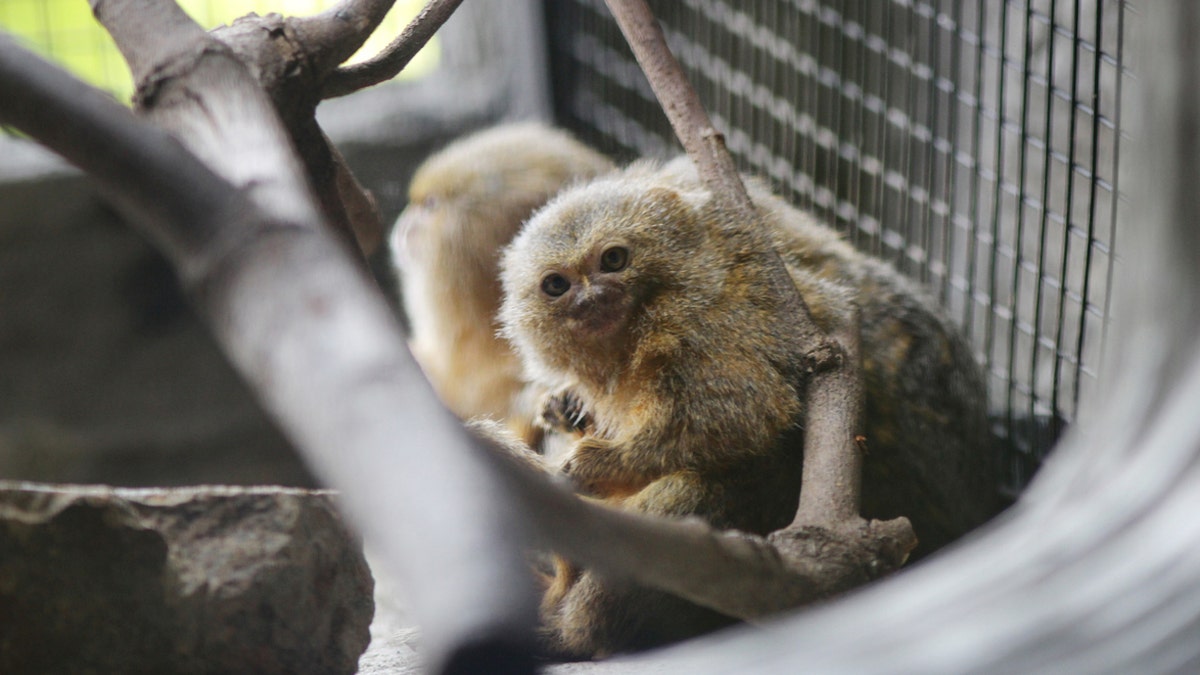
(189, 580)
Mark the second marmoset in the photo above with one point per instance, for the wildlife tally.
(465, 203)
(674, 358)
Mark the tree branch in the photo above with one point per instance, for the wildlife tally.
(741, 575)
(289, 58)
(388, 63)
(357, 204)
(336, 34)
(302, 324)
(183, 70)
(703, 143)
(831, 484)
(150, 35)
(829, 549)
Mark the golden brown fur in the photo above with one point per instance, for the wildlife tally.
(673, 354)
(465, 203)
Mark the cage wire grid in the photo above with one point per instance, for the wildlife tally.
(972, 143)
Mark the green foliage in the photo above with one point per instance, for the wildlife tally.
(66, 32)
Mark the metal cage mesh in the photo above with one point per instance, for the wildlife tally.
(972, 143)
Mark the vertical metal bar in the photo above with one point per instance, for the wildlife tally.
(1019, 235)
(932, 116)
(904, 221)
(721, 93)
(1044, 223)
(1076, 43)
(705, 38)
(881, 211)
(858, 119)
(1116, 193)
(990, 332)
(771, 123)
(835, 120)
(812, 103)
(744, 117)
(789, 23)
(888, 215)
(950, 181)
(973, 207)
(1095, 159)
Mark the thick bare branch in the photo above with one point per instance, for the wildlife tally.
(151, 34)
(829, 549)
(308, 331)
(281, 54)
(174, 82)
(735, 573)
(832, 454)
(395, 56)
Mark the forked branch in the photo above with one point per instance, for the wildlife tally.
(388, 63)
(334, 35)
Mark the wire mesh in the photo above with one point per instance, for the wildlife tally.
(974, 144)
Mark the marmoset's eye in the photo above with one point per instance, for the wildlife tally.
(555, 285)
(614, 259)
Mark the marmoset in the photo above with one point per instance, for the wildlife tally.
(673, 358)
(465, 203)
